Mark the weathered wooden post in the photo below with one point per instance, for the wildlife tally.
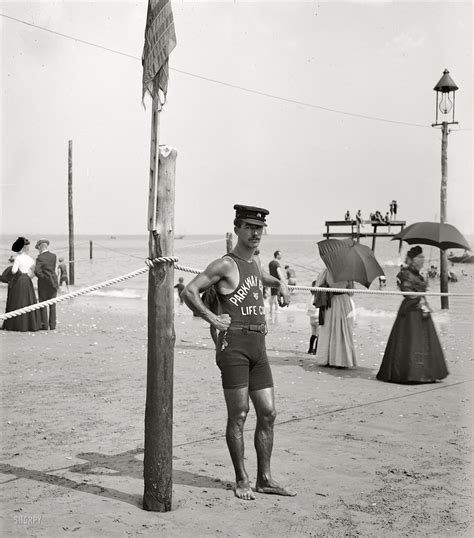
(374, 236)
(158, 457)
(90, 250)
(228, 242)
(71, 215)
(400, 244)
(160, 40)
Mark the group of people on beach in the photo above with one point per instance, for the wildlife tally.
(229, 295)
(413, 353)
(21, 292)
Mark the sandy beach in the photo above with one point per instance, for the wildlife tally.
(367, 458)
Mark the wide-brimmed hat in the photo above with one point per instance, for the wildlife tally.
(19, 244)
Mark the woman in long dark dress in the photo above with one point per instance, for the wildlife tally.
(413, 353)
(20, 290)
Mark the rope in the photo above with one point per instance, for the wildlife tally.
(346, 290)
(379, 292)
(170, 259)
(192, 245)
(83, 291)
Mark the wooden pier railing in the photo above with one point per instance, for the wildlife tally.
(358, 230)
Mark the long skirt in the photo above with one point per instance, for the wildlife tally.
(21, 293)
(335, 341)
(413, 353)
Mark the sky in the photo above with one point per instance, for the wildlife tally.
(304, 164)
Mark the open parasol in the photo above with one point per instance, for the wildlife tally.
(436, 234)
(348, 260)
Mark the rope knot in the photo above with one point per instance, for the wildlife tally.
(150, 262)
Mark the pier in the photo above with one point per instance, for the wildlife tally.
(357, 229)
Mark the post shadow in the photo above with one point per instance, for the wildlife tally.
(122, 464)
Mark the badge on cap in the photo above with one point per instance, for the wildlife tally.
(251, 214)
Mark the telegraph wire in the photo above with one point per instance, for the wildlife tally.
(226, 84)
(70, 37)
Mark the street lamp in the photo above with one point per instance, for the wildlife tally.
(445, 105)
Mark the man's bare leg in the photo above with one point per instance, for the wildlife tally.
(264, 403)
(237, 401)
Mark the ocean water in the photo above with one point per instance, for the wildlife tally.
(118, 255)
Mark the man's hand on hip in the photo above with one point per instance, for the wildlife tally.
(221, 322)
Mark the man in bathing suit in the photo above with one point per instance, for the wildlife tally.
(241, 356)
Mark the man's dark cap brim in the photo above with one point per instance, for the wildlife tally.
(253, 221)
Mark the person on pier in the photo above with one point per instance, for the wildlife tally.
(239, 278)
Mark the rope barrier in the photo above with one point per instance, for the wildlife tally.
(171, 259)
(192, 245)
(380, 292)
(118, 251)
(83, 291)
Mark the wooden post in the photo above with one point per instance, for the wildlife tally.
(71, 216)
(401, 240)
(374, 237)
(228, 242)
(90, 250)
(443, 216)
(158, 480)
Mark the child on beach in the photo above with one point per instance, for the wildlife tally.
(62, 274)
(180, 287)
(313, 314)
(290, 275)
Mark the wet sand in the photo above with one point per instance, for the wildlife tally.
(367, 458)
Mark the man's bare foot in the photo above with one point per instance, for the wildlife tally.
(271, 487)
(243, 490)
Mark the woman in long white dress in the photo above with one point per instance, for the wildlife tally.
(336, 342)
(21, 292)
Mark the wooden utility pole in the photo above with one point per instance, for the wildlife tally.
(442, 213)
(71, 216)
(161, 336)
(228, 242)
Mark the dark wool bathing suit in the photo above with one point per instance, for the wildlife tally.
(241, 354)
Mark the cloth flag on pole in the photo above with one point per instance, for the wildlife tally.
(160, 40)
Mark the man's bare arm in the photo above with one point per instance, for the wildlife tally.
(279, 273)
(269, 280)
(272, 282)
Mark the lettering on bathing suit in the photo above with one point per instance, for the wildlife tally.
(240, 294)
(252, 310)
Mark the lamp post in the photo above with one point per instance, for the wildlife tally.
(445, 106)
